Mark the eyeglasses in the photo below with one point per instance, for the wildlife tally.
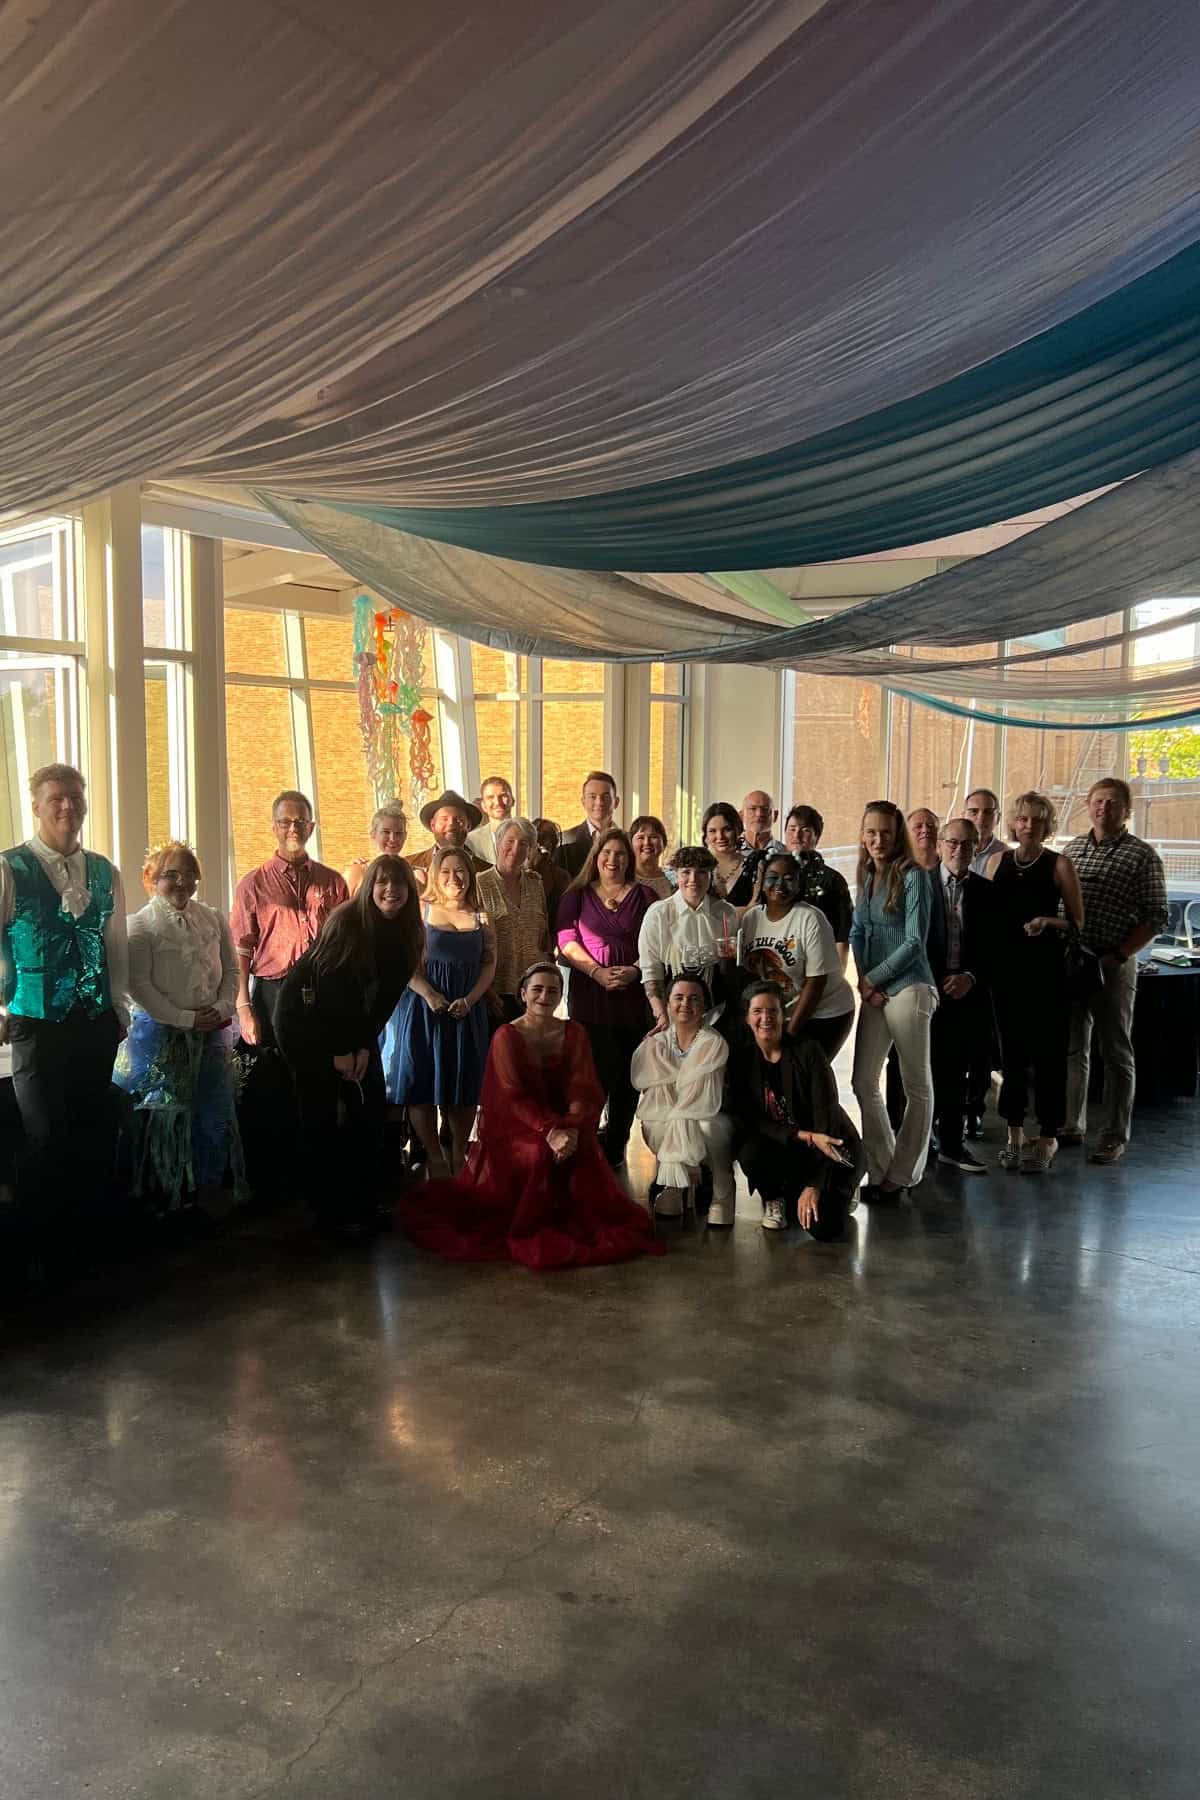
(959, 843)
(778, 880)
(178, 877)
(292, 824)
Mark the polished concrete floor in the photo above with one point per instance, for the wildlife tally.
(913, 1516)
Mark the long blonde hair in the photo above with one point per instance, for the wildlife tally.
(899, 862)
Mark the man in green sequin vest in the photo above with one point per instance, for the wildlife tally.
(64, 972)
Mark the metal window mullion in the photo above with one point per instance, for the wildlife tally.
(535, 780)
(302, 733)
(787, 760)
(179, 796)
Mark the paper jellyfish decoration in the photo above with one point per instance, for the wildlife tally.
(389, 669)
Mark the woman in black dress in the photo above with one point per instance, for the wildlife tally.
(332, 1007)
(1037, 903)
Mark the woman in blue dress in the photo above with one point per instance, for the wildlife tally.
(436, 1043)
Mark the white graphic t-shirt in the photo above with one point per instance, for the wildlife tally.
(787, 951)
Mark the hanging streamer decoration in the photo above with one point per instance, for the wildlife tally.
(389, 668)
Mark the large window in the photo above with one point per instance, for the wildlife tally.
(835, 749)
(166, 637)
(668, 745)
(538, 722)
(292, 721)
(41, 656)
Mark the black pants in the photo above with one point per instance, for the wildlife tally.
(1034, 1035)
(777, 1171)
(612, 1051)
(984, 1058)
(264, 998)
(62, 1082)
(954, 1038)
(830, 1034)
(341, 1134)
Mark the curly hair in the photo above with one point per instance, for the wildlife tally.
(152, 868)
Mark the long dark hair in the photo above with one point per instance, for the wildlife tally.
(356, 937)
(899, 862)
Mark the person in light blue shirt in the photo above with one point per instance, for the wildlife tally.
(896, 988)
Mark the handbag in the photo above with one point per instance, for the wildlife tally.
(1081, 969)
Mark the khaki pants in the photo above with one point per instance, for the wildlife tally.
(1110, 1012)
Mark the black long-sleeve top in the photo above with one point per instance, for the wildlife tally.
(809, 1091)
(323, 1015)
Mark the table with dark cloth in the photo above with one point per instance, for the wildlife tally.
(1166, 1035)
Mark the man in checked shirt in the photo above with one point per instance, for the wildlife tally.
(1124, 907)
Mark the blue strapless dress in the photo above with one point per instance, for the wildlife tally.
(429, 1059)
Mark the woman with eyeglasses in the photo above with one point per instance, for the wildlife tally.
(792, 946)
(679, 1074)
(177, 1061)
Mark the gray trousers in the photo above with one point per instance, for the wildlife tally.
(1110, 1013)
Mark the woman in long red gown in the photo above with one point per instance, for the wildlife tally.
(536, 1188)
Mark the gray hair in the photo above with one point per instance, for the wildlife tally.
(524, 826)
(391, 809)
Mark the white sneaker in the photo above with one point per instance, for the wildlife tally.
(721, 1212)
(669, 1204)
(774, 1215)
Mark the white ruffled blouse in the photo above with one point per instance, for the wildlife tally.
(181, 962)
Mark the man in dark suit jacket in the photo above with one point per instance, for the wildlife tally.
(959, 945)
(600, 801)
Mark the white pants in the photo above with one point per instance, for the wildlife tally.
(905, 1022)
(718, 1136)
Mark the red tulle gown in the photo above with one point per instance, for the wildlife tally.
(513, 1202)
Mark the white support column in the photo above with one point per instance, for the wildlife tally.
(112, 530)
(614, 729)
(460, 752)
(208, 773)
(632, 765)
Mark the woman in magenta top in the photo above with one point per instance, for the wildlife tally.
(599, 918)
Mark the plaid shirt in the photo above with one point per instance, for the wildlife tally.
(1123, 886)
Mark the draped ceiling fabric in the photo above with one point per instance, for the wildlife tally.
(532, 315)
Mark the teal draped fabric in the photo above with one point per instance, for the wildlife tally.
(1113, 390)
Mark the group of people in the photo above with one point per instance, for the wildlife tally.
(419, 1001)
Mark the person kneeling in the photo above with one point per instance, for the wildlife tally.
(793, 1140)
(536, 1188)
(679, 1075)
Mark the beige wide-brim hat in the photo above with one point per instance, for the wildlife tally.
(450, 798)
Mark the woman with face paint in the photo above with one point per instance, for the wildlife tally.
(791, 945)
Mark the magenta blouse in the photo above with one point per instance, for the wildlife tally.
(611, 939)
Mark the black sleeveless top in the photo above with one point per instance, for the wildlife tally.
(1023, 892)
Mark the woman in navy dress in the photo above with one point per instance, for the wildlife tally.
(436, 1044)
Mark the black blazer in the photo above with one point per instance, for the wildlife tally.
(574, 849)
(978, 932)
(812, 1096)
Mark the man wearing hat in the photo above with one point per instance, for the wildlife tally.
(449, 818)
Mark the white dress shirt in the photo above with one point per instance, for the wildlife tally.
(181, 962)
(68, 877)
(677, 936)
